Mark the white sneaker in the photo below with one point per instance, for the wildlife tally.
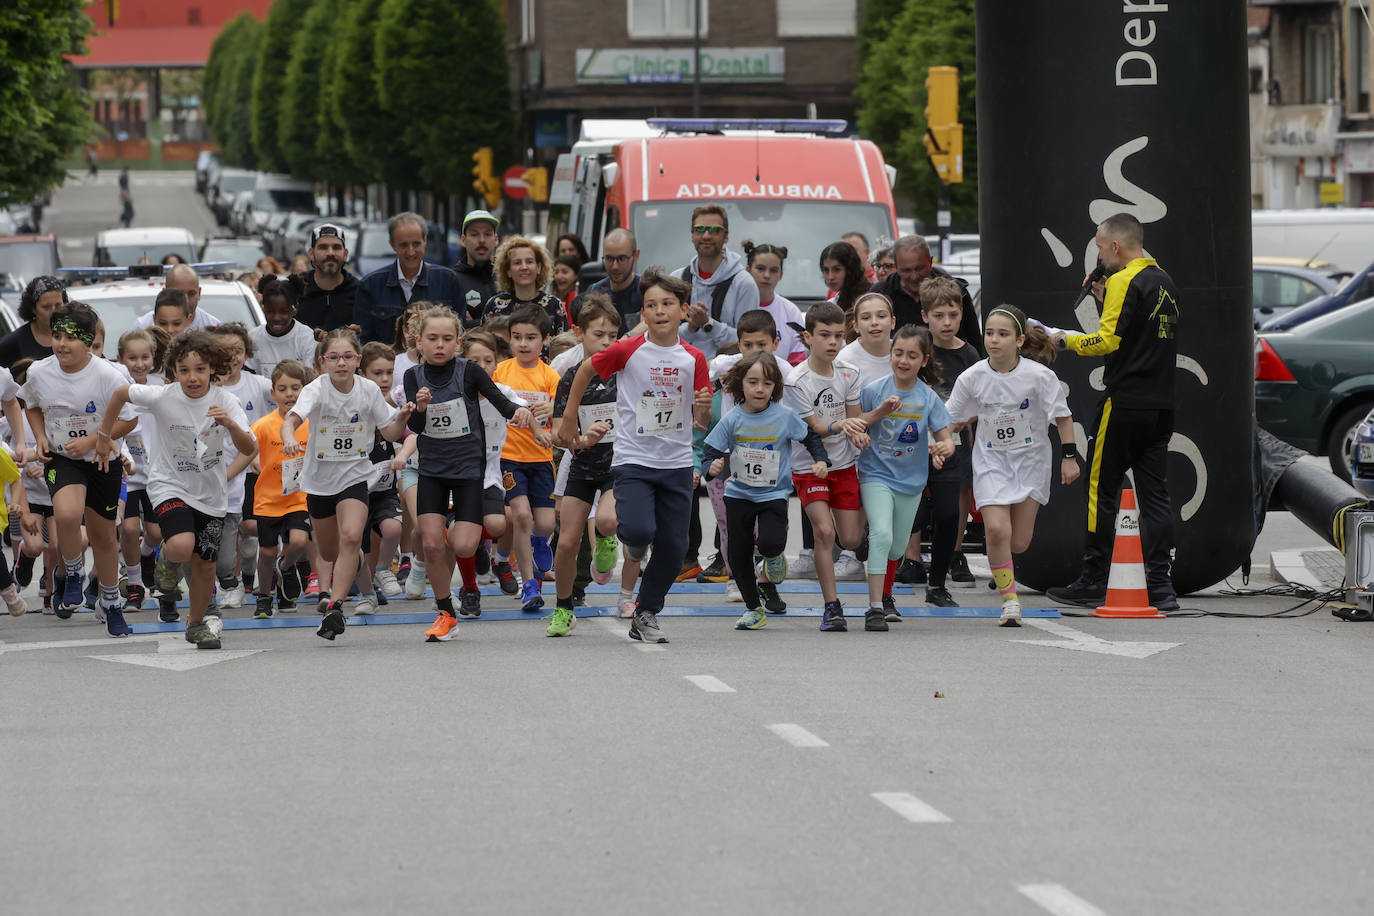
(847, 566)
(1011, 613)
(732, 594)
(804, 566)
(486, 578)
(627, 608)
(98, 613)
(385, 582)
(17, 605)
(366, 606)
(232, 597)
(416, 584)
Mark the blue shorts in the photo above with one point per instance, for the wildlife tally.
(531, 479)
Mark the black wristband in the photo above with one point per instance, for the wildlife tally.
(1068, 450)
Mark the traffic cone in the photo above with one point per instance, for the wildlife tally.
(1126, 593)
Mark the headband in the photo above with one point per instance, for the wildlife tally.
(1019, 326)
(73, 330)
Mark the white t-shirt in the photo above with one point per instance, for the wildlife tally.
(569, 360)
(73, 403)
(496, 434)
(809, 392)
(189, 460)
(871, 368)
(654, 397)
(140, 442)
(723, 364)
(398, 374)
(8, 387)
(201, 319)
(343, 428)
(297, 343)
(255, 394)
(784, 310)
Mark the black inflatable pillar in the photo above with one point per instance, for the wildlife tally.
(1089, 109)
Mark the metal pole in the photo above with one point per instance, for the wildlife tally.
(696, 61)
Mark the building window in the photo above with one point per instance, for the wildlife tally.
(1359, 62)
(1318, 65)
(816, 18)
(666, 18)
(527, 22)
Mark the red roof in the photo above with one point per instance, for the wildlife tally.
(153, 46)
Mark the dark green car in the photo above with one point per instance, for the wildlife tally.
(1315, 382)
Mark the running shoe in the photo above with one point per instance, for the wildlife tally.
(366, 606)
(202, 637)
(911, 572)
(1011, 613)
(847, 566)
(644, 627)
(506, 577)
(775, 568)
(381, 599)
(804, 567)
(732, 595)
(1080, 593)
(403, 570)
(469, 603)
(312, 586)
(92, 593)
(445, 628)
(23, 570)
(890, 611)
(875, 621)
(333, 623)
(134, 603)
(15, 602)
(603, 559)
(752, 619)
(939, 597)
(322, 607)
(832, 618)
(264, 607)
(286, 607)
(530, 599)
(387, 585)
(415, 582)
(960, 576)
(689, 572)
(72, 599)
(114, 622)
(289, 584)
(167, 611)
(99, 613)
(772, 601)
(482, 559)
(233, 597)
(714, 572)
(627, 608)
(541, 552)
(579, 597)
(563, 622)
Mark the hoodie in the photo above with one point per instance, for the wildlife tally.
(742, 296)
(477, 283)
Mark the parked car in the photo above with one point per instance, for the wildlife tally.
(1280, 285)
(241, 214)
(373, 248)
(23, 257)
(244, 253)
(204, 159)
(225, 192)
(120, 302)
(1314, 383)
(124, 247)
(1355, 288)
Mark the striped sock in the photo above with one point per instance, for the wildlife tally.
(1006, 581)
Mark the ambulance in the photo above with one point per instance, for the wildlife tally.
(794, 183)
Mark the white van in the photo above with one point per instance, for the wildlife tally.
(125, 247)
(1343, 236)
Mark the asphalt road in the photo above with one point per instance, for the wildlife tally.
(1076, 766)
(84, 206)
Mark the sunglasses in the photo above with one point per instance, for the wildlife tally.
(707, 230)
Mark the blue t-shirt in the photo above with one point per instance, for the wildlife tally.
(771, 431)
(898, 455)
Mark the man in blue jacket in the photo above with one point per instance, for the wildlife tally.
(383, 294)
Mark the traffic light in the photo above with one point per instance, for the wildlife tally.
(486, 184)
(538, 180)
(944, 139)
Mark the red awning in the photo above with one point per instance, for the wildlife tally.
(153, 46)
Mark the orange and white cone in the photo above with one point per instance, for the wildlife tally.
(1126, 592)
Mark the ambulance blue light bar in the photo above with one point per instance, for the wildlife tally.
(831, 127)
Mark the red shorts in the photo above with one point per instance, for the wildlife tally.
(839, 488)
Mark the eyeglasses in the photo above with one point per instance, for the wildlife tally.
(707, 230)
(616, 258)
(887, 265)
(340, 357)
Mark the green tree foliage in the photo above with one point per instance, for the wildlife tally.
(332, 158)
(425, 44)
(237, 141)
(269, 80)
(44, 117)
(302, 116)
(902, 39)
(368, 129)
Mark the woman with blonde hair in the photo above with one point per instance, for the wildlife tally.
(523, 270)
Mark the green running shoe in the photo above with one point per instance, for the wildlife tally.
(752, 620)
(603, 559)
(775, 568)
(562, 623)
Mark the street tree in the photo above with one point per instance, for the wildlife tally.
(219, 68)
(238, 140)
(369, 130)
(44, 116)
(280, 29)
(301, 115)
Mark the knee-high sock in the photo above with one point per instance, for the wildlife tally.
(1006, 581)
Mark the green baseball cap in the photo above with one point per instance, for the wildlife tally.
(477, 216)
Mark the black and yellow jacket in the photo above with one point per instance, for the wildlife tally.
(1139, 321)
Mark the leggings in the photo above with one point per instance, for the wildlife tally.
(715, 489)
(741, 515)
(942, 511)
(887, 512)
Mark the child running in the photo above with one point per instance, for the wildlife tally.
(279, 504)
(1014, 400)
(589, 473)
(141, 352)
(756, 439)
(383, 499)
(661, 380)
(345, 412)
(444, 390)
(901, 412)
(186, 482)
(64, 393)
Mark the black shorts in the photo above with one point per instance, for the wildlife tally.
(493, 501)
(250, 482)
(274, 530)
(137, 505)
(328, 506)
(586, 490)
(434, 496)
(531, 479)
(102, 487)
(382, 505)
(176, 517)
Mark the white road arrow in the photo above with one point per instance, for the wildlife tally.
(1083, 642)
(179, 661)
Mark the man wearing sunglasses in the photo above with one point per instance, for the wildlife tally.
(722, 289)
(620, 255)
